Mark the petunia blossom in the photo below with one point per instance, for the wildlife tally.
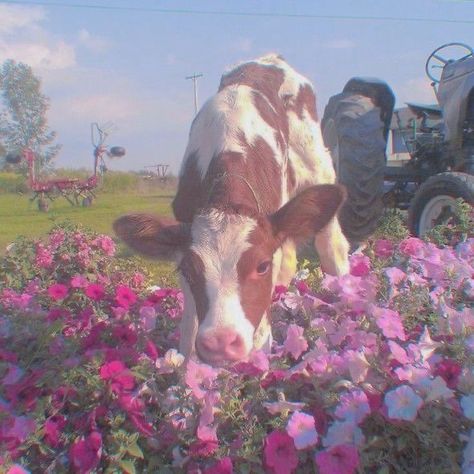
(58, 291)
(353, 406)
(124, 296)
(301, 428)
(340, 459)
(85, 453)
(279, 453)
(295, 343)
(403, 403)
(199, 378)
(95, 291)
(390, 323)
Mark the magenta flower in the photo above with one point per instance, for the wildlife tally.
(295, 342)
(17, 469)
(403, 403)
(58, 291)
(341, 459)
(52, 430)
(383, 248)
(301, 428)
(279, 453)
(450, 371)
(360, 265)
(105, 243)
(124, 296)
(85, 453)
(223, 466)
(119, 376)
(95, 291)
(79, 281)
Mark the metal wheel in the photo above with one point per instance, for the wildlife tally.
(439, 58)
(435, 200)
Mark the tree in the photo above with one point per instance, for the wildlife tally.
(23, 122)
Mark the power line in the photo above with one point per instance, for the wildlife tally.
(194, 78)
(307, 16)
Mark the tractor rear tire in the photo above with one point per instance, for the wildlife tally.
(354, 133)
(435, 196)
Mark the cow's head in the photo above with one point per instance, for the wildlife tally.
(225, 258)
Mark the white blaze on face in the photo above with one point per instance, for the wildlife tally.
(220, 239)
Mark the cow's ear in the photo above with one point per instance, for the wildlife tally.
(308, 212)
(160, 238)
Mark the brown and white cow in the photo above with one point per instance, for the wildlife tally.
(255, 180)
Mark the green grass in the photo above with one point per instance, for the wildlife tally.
(18, 216)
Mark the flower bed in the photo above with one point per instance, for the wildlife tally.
(370, 372)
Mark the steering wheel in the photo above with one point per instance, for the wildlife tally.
(438, 58)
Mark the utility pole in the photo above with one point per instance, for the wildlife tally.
(194, 78)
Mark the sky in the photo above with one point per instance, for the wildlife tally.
(124, 62)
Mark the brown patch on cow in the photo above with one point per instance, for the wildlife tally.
(290, 178)
(305, 100)
(192, 269)
(190, 195)
(251, 179)
(264, 78)
(255, 289)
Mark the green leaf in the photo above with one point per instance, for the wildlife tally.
(127, 466)
(134, 450)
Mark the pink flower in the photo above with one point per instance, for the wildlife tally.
(383, 248)
(390, 323)
(44, 258)
(295, 343)
(278, 292)
(148, 318)
(199, 378)
(124, 296)
(105, 243)
(353, 406)
(360, 265)
(301, 428)
(403, 403)
(223, 466)
(95, 291)
(118, 374)
(17, 469)
(58, 291)
(52, 430)
(411, 246)
(85, 453)
(279, 453)
(79, 281)
(341, 459)
(203, 448)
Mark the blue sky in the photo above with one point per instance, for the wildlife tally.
(128, 65)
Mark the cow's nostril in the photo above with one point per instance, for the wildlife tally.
(220, 345)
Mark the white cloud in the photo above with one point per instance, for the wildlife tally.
(39, 55)
(23, 39)
(14, 17)
(94, 43)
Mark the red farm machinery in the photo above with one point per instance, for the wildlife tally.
(75, 190)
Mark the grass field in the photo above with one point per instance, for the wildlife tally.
(18, 216)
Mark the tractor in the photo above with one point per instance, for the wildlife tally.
(436, 140)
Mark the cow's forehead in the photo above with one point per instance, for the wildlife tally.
(219, 238)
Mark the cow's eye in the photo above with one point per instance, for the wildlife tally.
(264, 267)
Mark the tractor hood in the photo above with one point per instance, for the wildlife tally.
(454, 92)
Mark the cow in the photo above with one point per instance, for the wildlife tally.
(255, 181)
